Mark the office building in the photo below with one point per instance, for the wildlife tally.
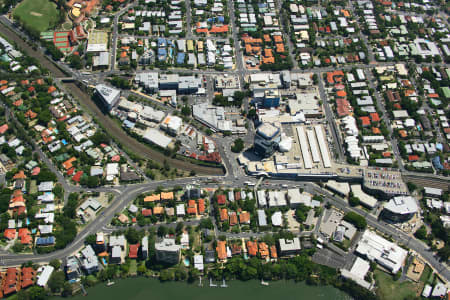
(289, 247)
(400, 208)
(108, 95)
(266, 139)
(167, 251)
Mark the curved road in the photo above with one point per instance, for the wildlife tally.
(126, 194)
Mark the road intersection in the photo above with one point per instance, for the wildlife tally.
(125, 194)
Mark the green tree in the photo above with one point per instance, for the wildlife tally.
(75, 61)
(444, 253)
(132, 236)
(55, 263)
(353, 201)
(45, 117)
(356, 219)
(69, 209)
(162, 231)
(93, 181)
(56, 281)
(186, 111)
(421, 233)
(179, 228)
(237, 146)
(91, 239)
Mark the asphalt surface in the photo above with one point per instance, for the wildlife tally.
(234, 178)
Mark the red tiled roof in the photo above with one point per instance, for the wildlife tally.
(25, 236)
(221, 199)
(70, 171)
(9, 234)
(223, 214)
(386, 154)
(27, 277)
(365, 121)
(273, 251)
(343, 107)
(233, 218)
(192, 210)
(252, 248)
(20, 175)
(263, 250)
(374, 117)
(413, 157)
(221, 250)
(133, 253)
(3, 128)
(77, 176)
(35, 171)
(341, 94)
(201, 206)
(244, 217)
(146, 212)
(9, 283)
(335, 76)
(18, 102)
(219, 29)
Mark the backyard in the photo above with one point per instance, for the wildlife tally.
(388, 289)
(37, 14)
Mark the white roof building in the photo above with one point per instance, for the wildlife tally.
(198, 262)
(261, 195)
(364, 198)
(402, 205)
(427, 291)
(180, 210)
(112, 170)
(156, 137)
(358, 272)
(342, 188)
(277, 218)
(172, 124)
(432, 192)
(109, 95)
(44, 275)
(382, 251)
(45, 186)
(439, 290)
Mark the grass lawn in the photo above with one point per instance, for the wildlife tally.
(38, 14)
(133, 268)
(388, 289)
(425, 274)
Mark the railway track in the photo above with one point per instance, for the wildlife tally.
(427, 181)
(111, 127)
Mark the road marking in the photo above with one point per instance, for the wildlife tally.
(118, 191)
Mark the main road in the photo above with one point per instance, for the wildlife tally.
(126, 194)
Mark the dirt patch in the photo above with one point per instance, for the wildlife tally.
(36, 14)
